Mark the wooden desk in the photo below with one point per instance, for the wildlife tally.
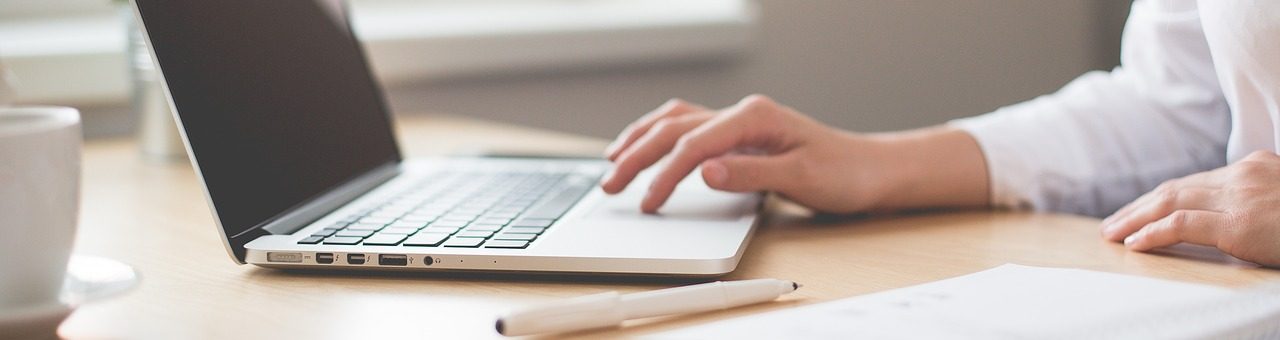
(154, 217)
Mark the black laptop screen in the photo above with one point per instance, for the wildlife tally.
(275, 97)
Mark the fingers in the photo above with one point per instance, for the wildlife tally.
(746, 173)
(754, 120)
(1157, 205)
(1191, 226)
(1209, 179)
(637, 129)
(1108, 224)
(656, 143)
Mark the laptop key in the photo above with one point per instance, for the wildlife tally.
(524, 230)
(506, 215)
(491, 220)
(311, 240)
(444, 230)
(471, 211)
(515, 237)
(399, 230)
(432, 212)
(507, 210)
(532, 222)
(343, 240)
(364, 226)
(483, 227)
(474, 233)
(560, 203)
(459, 216)
(384, 239)
(377, 220)
(464, 242)
(354, 233)
(453, 224)
(326, 232)
(407, 224)
(506, 244)
(426, 240)
(416, 219)
(386, 214)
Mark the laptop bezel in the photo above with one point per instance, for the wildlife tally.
(310, 209)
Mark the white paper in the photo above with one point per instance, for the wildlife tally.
(1007, 302)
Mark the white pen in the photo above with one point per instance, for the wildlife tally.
(610, 309)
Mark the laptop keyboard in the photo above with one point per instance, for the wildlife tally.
(492, 209)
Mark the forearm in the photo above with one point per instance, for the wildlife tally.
(931, 167)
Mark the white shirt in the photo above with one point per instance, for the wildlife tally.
(1198, 87)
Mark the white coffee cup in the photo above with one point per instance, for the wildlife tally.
(39, 202)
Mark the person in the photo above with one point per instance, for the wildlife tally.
(1177, 144)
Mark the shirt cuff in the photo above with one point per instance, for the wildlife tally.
(1012, 185)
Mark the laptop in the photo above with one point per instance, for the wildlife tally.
(293, 143)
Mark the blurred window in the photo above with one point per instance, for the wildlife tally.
(44, 43)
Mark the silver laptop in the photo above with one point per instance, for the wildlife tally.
(293, 142)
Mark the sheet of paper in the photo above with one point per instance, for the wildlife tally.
(1007, 302)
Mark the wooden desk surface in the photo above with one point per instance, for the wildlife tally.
(154, 217)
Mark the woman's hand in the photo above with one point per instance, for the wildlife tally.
(1235, 208)
(760, 145)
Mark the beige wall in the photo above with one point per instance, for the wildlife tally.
(864, 65)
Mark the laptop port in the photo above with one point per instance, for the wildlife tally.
(284, 257)
(324, 258)
(427, 261)
(393, 260)
(355, 258)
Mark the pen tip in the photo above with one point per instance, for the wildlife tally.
(795, 286)
(502, 329)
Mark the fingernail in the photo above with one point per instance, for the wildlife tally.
(645, 206)
(1109, 227)
(605, 180)
(1128, 241)
(716, 173)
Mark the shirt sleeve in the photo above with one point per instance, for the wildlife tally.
(1107, 137)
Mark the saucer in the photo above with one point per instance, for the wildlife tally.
(89, 279)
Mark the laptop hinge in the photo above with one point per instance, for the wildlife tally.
(299, 216)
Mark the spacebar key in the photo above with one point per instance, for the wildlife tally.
(558, 204)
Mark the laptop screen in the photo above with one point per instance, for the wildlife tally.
(275, 98)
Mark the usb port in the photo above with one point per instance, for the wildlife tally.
(393, 260)
(355, 258)
(324, 258)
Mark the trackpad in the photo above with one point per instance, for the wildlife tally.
(693, 200)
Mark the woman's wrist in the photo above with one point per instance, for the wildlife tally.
(928, 168)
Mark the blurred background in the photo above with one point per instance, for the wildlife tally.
(591, 66)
